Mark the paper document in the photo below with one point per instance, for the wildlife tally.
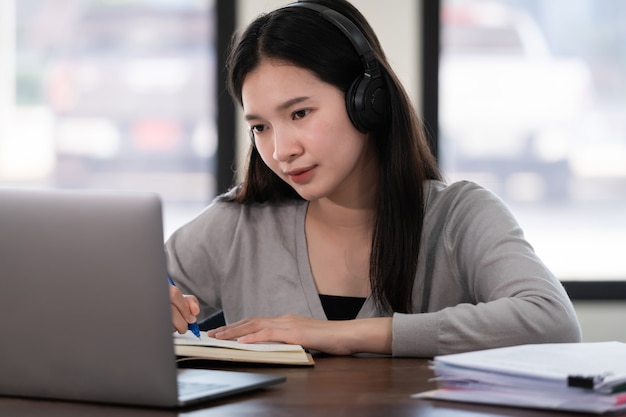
(589, 377)
(190, 340)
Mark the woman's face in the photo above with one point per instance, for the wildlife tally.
(303, 132)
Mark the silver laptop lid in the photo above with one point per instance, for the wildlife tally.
(83, 290)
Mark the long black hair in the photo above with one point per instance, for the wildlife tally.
(305, 39)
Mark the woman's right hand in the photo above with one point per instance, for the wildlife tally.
(185, 308)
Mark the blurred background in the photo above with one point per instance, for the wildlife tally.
(124, 94)
(112, 94)
(532, 101)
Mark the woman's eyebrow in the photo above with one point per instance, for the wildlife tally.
(292, 101)
(287, 104)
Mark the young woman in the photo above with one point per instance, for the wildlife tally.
(341, 236)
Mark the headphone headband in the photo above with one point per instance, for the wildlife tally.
(350, 30)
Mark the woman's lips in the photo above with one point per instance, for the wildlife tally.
(300, 176)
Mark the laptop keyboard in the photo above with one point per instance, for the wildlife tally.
(189, 388)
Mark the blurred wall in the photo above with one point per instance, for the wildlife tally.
(602, 320)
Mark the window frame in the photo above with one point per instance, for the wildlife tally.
(226, 12)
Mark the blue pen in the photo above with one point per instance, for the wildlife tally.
(195, 329)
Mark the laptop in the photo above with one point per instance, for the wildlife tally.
(85, 301)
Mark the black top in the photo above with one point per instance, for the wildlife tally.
(341, 308)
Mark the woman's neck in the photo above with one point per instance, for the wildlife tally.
(339, 239)
(329, 213)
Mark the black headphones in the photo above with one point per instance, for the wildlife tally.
(367, 99)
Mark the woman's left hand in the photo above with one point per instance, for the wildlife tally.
(344, 337)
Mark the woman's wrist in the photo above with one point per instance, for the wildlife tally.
(371, 335)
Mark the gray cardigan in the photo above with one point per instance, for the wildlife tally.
(479, 284)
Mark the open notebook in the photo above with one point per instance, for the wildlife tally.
(84, 292)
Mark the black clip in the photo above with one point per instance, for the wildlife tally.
(584, 381)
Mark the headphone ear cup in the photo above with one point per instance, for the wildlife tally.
(367, 103)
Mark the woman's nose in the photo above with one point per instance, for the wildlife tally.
(286, 144)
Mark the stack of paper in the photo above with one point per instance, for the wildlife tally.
(585, 377)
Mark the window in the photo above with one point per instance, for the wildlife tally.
(111, 94)
(532, 104)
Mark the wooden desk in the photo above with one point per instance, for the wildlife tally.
(335, 386)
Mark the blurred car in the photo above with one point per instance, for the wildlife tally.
(507, 106)
(132, 89)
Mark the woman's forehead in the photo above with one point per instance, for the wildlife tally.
(281, 82)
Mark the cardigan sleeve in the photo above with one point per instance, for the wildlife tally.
(488, 288)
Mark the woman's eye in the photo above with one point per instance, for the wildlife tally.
(299, 114)
(257, 129)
